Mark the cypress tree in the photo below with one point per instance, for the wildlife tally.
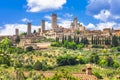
(63, 39)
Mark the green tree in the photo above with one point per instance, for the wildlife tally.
(103, 63)
(37, 65)
(5, 44)
(57, 39)
(29, 48)
(17, 40)
(77, 40)
(67, 60)
(69, 38)
(92, 40)
(110, 61)
(34, 31)
(77, 31)
(63, 39)
(85, 41)
(114, 41)
(24, 33)
(94, 58)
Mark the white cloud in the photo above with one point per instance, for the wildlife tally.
(101, 26)
(65, 23)
(25, 20)
(47, 17)
(104, 10)
(40, 5)
(9, 29)
(68, 15)
(103, 15)
(90, 26)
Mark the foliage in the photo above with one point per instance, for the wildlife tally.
(98, 75)
(66, 60)
(19, 75)
(114, 41)
(85, 41)
(5, 59)
(34, 31)
(17, 40)
(80, 59)
(116, 64)
(71, 45)
(37, 65)
(80, 46)
(57, 39)
(24, 33)
(62, 75)
(118, 48)
(56, 44)
(5, 44)
(94, 58)
(110, 61)
(29, 48)
(69, 38)
(77, 31)
(97, 46)
(103, 63)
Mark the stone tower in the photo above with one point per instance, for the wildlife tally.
(16, 32)
(29, 29)
(42, 26)
(75, 22)
(54, 21)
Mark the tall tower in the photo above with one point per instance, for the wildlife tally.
(29, 29)
(16, 32)
(75, 22)
(42, 26)
(54, 21)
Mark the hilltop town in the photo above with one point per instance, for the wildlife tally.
(74, 53)
(56, 31)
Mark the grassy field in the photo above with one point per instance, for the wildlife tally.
(49, 56)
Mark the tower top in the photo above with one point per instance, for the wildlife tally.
(53, 14)
(75, 18)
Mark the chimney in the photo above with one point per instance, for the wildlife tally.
(89, 71)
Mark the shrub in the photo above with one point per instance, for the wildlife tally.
(72, 45)
(80, 46)
(118, 48)
(80, 59)
(4, 60)
(110, 61)
(45, 55)
(115, 64)
(103, 63)
(37, 65)
(98, 75)
(56, 44)
(94, 58)
(30, 48)
(97, 46)
(67, 60)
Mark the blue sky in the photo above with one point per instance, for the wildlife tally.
(93, 14)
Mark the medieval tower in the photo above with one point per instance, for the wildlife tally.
(54, 21)
(75, 22)
(29, 29)
(42, 26)
(16, 32)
